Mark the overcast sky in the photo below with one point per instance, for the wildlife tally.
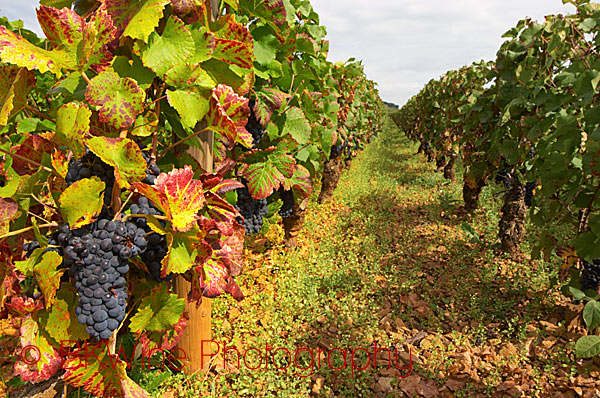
(403, 43)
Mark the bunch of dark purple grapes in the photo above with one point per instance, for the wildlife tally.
(98, 256)
(157, 244)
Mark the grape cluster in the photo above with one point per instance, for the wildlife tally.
(529, 187)
(252, 210)
(91, 165)
(29, 247)
(590, 276)
(157, 244)
(152, 171)
(254, 127)
(288, 203)
(98, 257)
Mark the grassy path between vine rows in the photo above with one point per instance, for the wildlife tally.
(386, 263)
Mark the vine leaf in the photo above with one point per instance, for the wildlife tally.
(181, 197)
(215, 277)
(119, 100)
(48, 276)
(234, 52)
(191, 105)
(228, 116)
(268, 100)
(9, 210)
(175, 46)
(297, 126)
(300, 183)
(81, 202)
(20, 306)
(101, 374)
(33, 148)
(145, 125)
(181, 255)
(137, 20)
(164, 339)
(15, 83)
(271, 11)
(183, 7)
(60, 163)
(266, 170)
(72, 123)
(97, 34)
(123, 154)
(16, 50)
(158, 311)
(61, 321)
(49, 358)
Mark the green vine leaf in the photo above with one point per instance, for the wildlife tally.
(81, 202)
(48, 276)
(158, 311)
(145, 125)
(181, 255)
(191, 105)
(123, 154)
(175, 46)
(119, 101)
(72, 123)
(61, 321)
(297, 126)
(136, 20)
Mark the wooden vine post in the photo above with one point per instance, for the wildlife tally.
(195, 339)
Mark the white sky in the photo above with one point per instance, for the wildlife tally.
(403, 43)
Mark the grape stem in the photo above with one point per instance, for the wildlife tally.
(20, 231)
(123, 206)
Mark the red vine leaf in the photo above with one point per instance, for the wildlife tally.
(266, 170)
(184, 197)
(228, 116)
(101, 374)
(20, 306)
(300, 183)
(15, 84)
(33, 148)
(268, 100)
(45, 358)
(9, 210)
